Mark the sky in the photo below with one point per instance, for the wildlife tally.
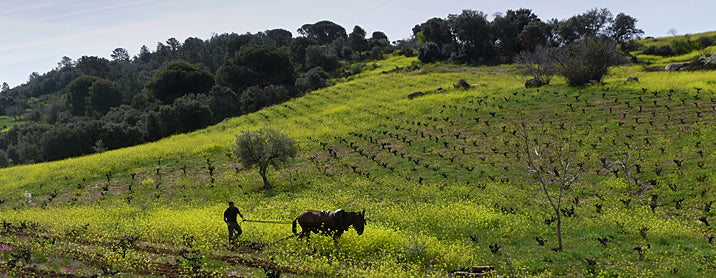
(36, 34)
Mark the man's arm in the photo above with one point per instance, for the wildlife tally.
(242, 216)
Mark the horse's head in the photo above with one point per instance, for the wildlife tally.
(358, 221)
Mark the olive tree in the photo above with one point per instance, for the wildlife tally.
(263, 148)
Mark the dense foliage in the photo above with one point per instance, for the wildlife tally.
(95, 104)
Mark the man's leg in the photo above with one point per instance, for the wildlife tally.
(231, 233)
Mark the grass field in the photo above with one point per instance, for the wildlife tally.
(6, 123)
(440, 176)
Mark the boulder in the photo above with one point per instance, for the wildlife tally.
(416, 94)
(533, 83)
(676, 67)
(461, 84)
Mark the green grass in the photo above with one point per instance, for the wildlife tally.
(661, 41)
(438, 177)
(7, 122)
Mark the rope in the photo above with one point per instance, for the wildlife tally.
(270, 221)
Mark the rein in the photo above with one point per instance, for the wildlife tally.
(270, 221)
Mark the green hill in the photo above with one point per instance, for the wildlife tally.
(441, 177)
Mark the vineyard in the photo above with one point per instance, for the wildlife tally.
(441, 176)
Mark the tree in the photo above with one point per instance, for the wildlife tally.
(506, 30)
(320, 56)
(179, 78)
(66, 62)
(323, 31)
(79, 90)
(103, 95)
(357, 41)
(435, 30)
(624, 29)
(279, 37)
(592, 23)
(5, 87)
(236, 43)
(672, 32)
(472, 30)
(144, 54)
(550, 160)
(120, 55)
(261, 65)
(379, 39)
(264, 148)
(173, 44)
(298, 49)
(538, 64)
(93, 65)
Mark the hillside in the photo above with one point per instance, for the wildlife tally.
(440, 176)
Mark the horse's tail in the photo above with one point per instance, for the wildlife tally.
(293, 228)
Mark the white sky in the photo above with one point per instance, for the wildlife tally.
(36, 34)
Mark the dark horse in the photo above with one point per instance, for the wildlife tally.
(329, 223)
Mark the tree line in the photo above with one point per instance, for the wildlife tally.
(469, 37)
(94, 104)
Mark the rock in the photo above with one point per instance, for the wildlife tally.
(461, 84)
(416, 94)
(533, 83)
(676, 67)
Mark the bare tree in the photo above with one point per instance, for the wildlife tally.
(627, 161)
(538, 64)
(550, 160)
(672, 32)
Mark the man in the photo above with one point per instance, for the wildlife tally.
(230, 219)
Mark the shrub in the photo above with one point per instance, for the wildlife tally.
(538, 64)
(430, 53)
(587, 60)
(4, 159)
(680, 47)
(660, 51)
(705, 42)
(314, 79)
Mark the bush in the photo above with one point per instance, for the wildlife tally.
(537, 64)
(705, 42)
(314, 79)
(430, 53)
(186, 114)
(680, 47)
(660, 51)
(587, 60)
(256, 97)
(4, 159)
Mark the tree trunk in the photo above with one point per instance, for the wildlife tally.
(559, 231)
(267, 185)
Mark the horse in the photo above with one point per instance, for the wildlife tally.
(329, 223)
